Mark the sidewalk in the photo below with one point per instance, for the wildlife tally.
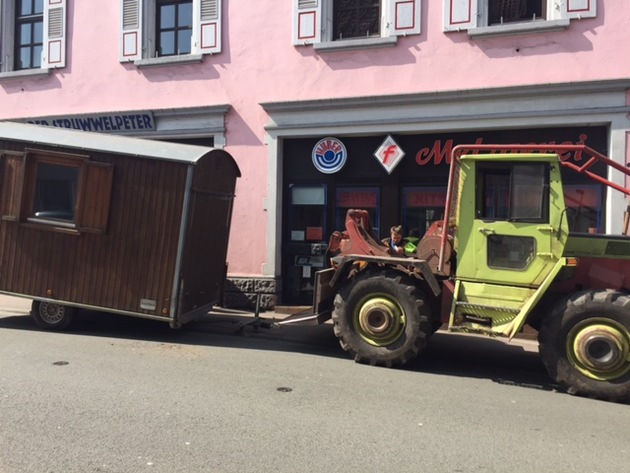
(10, 305)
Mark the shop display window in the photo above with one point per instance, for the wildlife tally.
(365, 198)
(584, 205)
(308, 213)
(421, 206)
(305, 247)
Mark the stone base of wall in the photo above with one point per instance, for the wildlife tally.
(241, 293)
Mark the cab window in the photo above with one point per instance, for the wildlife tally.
(515, 192)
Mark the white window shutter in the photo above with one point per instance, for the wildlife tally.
(578, 9)
(54, 47)
(405, 17)
(130, 30)
(206, 37)
(460, 14)
(307, 21)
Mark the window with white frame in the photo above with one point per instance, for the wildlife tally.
(154, 29)
(29, 34)
(514, 16)
(356, 18)
(173, 27)
(323, 21)
(509, 11)
(32, 36)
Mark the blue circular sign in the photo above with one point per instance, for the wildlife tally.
(329, 155)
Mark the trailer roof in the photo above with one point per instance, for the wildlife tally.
(85, 140)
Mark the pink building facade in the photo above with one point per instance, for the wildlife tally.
(327, 105)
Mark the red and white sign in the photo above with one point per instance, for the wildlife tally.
(389, 154)
(329, 155)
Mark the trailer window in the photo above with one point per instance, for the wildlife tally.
(55, 192)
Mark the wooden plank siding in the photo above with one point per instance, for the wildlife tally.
(133, 259)
(96, 220)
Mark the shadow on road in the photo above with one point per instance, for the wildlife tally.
(447, 354)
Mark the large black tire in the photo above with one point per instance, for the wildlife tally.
(51, 316)
(381, 318)
(585, 345)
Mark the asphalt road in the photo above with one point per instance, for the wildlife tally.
(120, 394)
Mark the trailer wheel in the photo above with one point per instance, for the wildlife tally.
(381, 318)
(585, 345)
(51, 316)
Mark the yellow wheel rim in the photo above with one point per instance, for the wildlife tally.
(379, 321)
(600, 349)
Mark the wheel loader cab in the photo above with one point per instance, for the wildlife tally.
(510, 216)
(510, 233)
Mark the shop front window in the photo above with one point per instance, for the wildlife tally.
(583, 204)
(308, 212)
(421, 206)
(364, 198)
(305, 248)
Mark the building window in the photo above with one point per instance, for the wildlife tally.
(29, 28)
(421, 206)
(308, 212)
(488, 17)
(321, 21)
(174, 27)
(506, 11)
(584, 207)
(169, 29)
(32, 36)
(356, 18)
(304, 249)
(365, 198)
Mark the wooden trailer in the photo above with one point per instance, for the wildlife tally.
(110, 223)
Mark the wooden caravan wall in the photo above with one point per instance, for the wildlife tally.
(133, 259)
(208, 230)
